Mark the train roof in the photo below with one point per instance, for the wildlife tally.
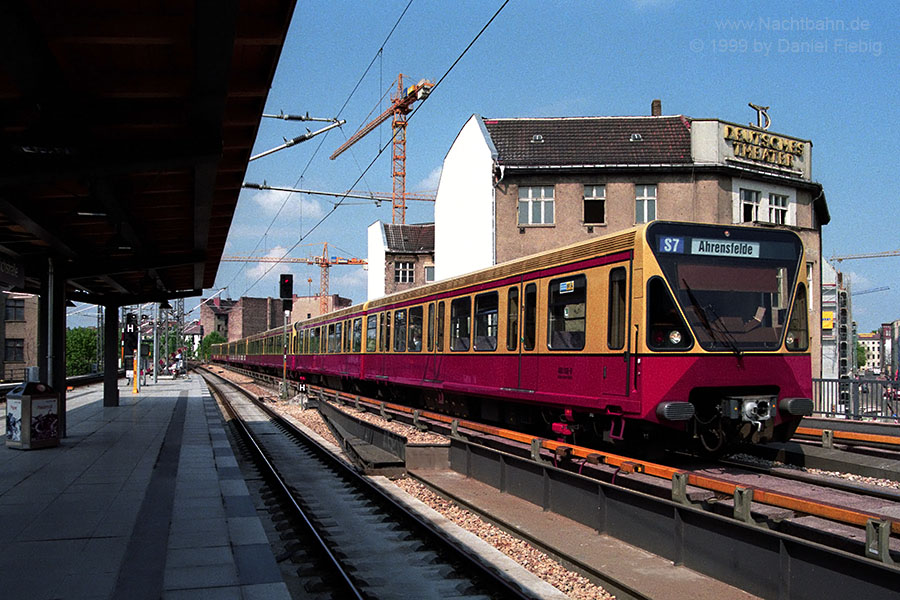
(612, 243)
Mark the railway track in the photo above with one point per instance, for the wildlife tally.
(365, 544)
(797, 526)
(853, 435)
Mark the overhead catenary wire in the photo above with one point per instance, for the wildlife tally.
(319, 147)
(385, 146)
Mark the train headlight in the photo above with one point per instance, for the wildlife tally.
(675, 337)
(790, 338)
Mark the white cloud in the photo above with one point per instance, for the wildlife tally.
(290, 205)
(267, 273)
(431, 181)
(351, 282)
(858, 282)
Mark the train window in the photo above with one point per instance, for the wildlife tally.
(314, 340)
(371, 333)
(529, 308)
(512, 318)
(566, 302)
(381, 332)
(486, 321)
(415, 329)
(357, 335)
(440, 327)
(431, 327)
(798, 328)
(400, 331)
(666, 329)
(334, 333)
(460, 324)
(387, 331)
(616, 323)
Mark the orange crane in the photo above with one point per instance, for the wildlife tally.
(324, 261)
(866, 255)
(401, 105)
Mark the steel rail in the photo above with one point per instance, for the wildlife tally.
(626, 464)
(272, 473)
(891, 441)
(473, 562)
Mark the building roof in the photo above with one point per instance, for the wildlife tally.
(221, 306)
(409, 239)
(580, 141)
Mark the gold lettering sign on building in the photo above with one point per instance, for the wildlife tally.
(762, 146)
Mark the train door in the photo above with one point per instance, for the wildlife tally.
(434, 341)
(617, 360)
(528, 355)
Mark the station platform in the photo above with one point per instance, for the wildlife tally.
(143, 500)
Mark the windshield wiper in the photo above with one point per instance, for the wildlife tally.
(719, 333)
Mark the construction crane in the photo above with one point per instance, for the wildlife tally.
(401, 105)
(324, 262)
(866, 255)
(872, 290)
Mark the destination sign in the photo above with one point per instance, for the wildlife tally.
(725, 248)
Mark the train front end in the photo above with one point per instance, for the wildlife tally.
(725, 354)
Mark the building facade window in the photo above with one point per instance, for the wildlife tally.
(536, 205)
(15, 309)
(644, 203)
(756, 202)
(429, 273)
(778, 209)
(595, 204)
(14, 350)
(403, 272)
(749, 205)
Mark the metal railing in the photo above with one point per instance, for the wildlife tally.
(868, 398)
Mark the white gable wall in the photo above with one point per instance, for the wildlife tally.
(376, 256)
(464, 208)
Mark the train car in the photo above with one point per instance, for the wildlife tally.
(680, 333)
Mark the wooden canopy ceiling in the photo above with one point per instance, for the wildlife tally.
(125, 129)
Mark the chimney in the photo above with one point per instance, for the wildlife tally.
(656, 108)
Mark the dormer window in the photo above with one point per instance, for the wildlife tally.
(636, 137)
(537, 139)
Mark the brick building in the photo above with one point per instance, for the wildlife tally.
(407, 253)
(514, 187)
(18, 334)
(235, 319)
(307, 307)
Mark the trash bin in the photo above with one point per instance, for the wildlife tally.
(32, 416)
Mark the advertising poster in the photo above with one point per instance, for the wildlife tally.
(44, 420)
(14, 419)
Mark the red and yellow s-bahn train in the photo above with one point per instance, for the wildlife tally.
(687, 335)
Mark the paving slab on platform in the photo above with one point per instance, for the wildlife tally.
(142, 500)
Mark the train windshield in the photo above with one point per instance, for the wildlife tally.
(734, 285)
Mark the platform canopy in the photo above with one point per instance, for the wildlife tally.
(125, 129)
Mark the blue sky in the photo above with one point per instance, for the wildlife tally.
(828, 70)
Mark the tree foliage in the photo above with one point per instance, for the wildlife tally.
(81, 350)
(860, 356)
(206, 343)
